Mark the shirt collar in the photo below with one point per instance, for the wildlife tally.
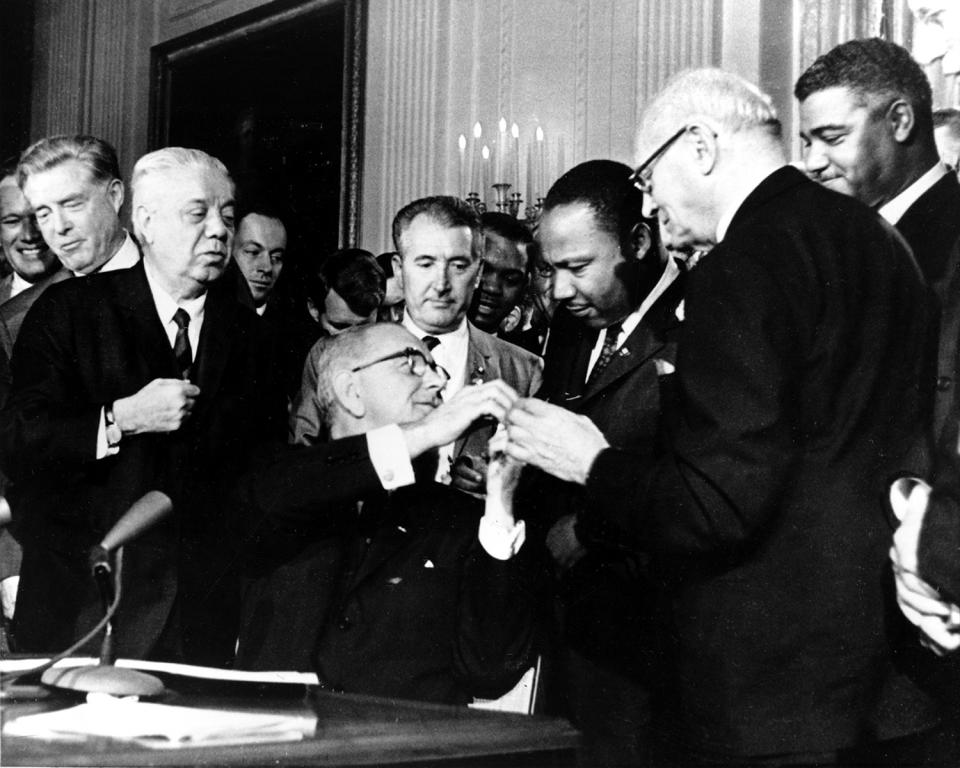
(458, 334)
(127, 255)
(165, 304)
(670, 272)
(723, 224)
(894, 209)
(18, 284)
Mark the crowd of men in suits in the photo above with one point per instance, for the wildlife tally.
(720, 498)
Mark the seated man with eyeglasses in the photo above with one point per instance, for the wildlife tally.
(367, 570)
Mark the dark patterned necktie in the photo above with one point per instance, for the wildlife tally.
(607, 352)
(431, 342)
(181, 345)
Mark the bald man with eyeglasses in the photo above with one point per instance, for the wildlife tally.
(384, 581)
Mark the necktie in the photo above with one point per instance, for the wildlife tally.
(181, 345)
(607, 352)
(431, 342)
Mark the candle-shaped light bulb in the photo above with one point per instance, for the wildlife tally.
(461, 166)
(540, 162)
(477, 130)
(485, 177)
(515, 154)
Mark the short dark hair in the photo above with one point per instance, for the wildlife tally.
(385, 260)
(605, 186)
(446, 211)
(948, 117)
(509, 228)
(262, 207)
(8, 166)
(355, 275)
(97, 155)
(871, 67)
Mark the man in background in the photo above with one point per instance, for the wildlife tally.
(259, 248)
(946, 132)
(148, 378)
(440, 243)
(23, 246)
(345, 292)
(73, 186)
(504, 275)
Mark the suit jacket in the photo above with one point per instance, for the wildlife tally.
(931, 226)
(6, 286)
(488, 358)
(85, 344)
(799, 377)
(396, 600)
(14, 310)
(609, 599)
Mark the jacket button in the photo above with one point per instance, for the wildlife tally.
(944, 383)
(345, 623)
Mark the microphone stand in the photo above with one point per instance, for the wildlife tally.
(104, 677)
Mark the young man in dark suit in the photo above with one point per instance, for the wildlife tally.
(799, 390)
(146, 378)
(867, 127)
(386, 583)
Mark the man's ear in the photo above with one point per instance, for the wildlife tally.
(901, 120)
(703, 140)
(346, 391)
(641, 239)
(143, 223)
(397, 260)
(115, 193)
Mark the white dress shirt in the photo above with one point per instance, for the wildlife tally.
(631, 321)
(893, 210)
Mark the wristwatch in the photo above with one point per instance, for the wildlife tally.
(114, 434)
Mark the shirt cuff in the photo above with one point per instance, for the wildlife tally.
(390, 457)
(103, 448)
(501, 541)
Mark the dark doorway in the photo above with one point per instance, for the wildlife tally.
(275, 95)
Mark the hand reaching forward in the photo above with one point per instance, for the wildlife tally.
(561, 443)
(452, 418)
(163, 405)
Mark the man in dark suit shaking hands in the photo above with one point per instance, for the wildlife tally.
(146, 378)
(798, 380)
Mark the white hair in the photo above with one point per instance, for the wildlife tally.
(166, 160)
(726, 98)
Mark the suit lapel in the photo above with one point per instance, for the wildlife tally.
(640, 346)
(482, 365)
(137, 305)
(216, 338)
(384, 522)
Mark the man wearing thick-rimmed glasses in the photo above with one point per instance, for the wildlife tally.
(799, 384)
(385, 583)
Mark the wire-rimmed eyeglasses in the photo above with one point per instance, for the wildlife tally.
(416, 361)
(641, 176)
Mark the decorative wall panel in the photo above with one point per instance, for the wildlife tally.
(580, 70)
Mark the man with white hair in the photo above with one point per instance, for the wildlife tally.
(146, 378)
(799, 385)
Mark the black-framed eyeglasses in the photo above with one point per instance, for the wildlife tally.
(416, 361)
(641, 176)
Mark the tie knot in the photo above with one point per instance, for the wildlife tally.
(431, 342)
(613, 333)
(182, 318)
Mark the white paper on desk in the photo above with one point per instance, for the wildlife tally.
(160, 725)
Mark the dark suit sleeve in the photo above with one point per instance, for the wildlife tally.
(45, 422)
(291, 493)
(497, 622)
(736, 445)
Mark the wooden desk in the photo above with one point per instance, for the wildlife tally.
(350, 730)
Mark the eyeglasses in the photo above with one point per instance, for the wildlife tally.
(641, 176)
(417, 363)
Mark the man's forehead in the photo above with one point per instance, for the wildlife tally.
(504, 252)
(256, 224)
(11, 198)
(425, 234)
(835, 103)
(185, 185)
(55, 180)
(385, 338)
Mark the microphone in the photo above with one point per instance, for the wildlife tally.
(144, 513)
